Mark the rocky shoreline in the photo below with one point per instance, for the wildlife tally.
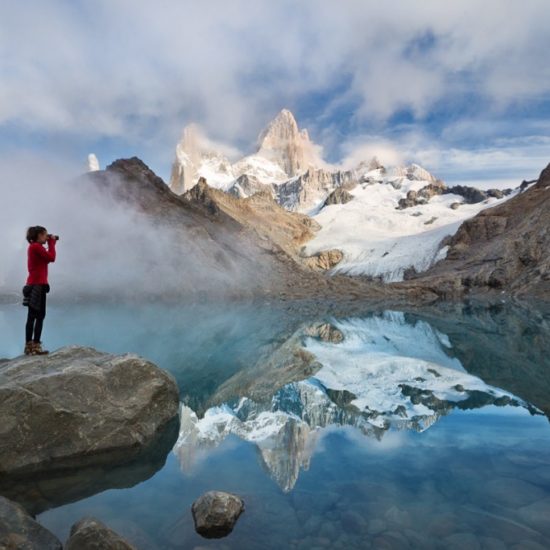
(76, 422)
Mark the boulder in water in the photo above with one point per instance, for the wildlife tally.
(90, 534)
(78, 407)
(19, 530)
(215, 513)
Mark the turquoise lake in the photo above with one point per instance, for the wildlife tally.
(373, 428)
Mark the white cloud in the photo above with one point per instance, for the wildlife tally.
(360, 149)
(134, 67)
(505, 163)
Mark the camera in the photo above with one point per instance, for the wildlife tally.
(50, 236)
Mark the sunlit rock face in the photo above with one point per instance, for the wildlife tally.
(376, 374)
(289, 147)
(196, 158)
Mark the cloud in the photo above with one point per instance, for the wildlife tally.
(207, 145)
(503, 163)
(131, 68)
(360, 148)
(107, 248)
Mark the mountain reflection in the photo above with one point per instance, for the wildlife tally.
(375, 374)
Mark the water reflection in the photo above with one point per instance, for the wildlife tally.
(343, 410)
(37, 493)
(376, 373)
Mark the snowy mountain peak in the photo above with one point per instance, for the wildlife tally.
(283, 126)
(283, 143)
(196, 156)
(418, 173)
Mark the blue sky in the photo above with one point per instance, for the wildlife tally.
(461, 87)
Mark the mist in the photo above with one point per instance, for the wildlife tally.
(107, 248)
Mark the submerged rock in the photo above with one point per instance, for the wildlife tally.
(91, 534)
(215, 513)
(80, 408)
(19, 530)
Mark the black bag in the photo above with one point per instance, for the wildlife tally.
(32, 295)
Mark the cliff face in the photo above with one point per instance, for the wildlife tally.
(285, 144)
(504, 248)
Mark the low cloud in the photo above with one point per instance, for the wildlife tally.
(107, 248)
(505, 163)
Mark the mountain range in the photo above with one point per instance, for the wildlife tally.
(360, 372)
(372, 230)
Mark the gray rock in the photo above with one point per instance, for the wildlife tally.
(398, 517)
(353, 521)
(215, 513)
(471, 195)
(19, 531)
(91, 534)
(422, 196)
(339, 196)
(79, 407)
(496, 193)
(409, 201)
(455, 205)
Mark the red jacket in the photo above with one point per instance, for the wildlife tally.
(38, 259)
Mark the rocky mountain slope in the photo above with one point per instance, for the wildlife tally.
(225, 246)
(504, 249)
(394, 221)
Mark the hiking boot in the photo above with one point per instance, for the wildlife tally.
(29, 348)
(37, 349)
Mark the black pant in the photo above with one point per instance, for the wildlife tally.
(35, 320)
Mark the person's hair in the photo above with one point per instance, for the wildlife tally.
(33, 232)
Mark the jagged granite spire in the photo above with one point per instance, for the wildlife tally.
(284, 143)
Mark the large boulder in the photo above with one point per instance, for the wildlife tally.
(18, 530)
(80, 408)
(215, 513)
(91, 534)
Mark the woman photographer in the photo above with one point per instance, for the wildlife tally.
(34, 292)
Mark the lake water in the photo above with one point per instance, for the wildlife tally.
(373, 429)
